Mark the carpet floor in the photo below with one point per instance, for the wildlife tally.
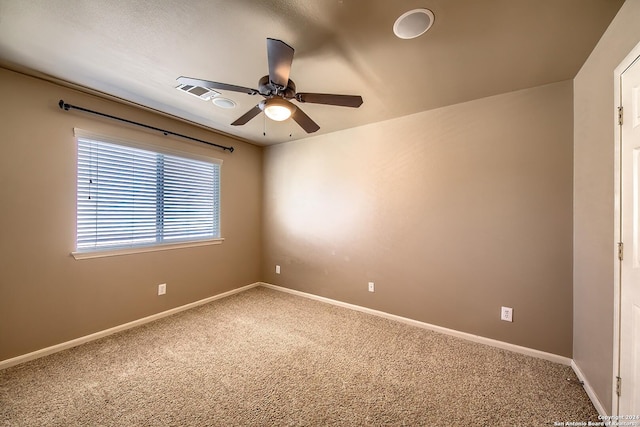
(268, 358)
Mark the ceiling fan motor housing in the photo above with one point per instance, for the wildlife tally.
(266, 88)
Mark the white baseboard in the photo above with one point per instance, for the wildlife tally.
(75, 342)
(470, 337)
(587, 387)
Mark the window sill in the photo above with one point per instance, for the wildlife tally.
(142, 249)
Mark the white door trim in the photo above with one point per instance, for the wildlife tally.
(617, 93)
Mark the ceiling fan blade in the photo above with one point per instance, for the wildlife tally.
(280, 57)
(304, 121)
(324, 98)
(242, 120)
(215, 85)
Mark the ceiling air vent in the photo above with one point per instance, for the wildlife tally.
(200, 92)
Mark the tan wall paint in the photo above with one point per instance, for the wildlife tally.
(594, 112)
(47, 297)
(451, 212)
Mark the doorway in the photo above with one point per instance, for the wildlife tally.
(627, 298)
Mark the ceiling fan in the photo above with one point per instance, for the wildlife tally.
(277, 90)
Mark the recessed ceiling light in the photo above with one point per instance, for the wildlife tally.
(224, 102)
(413, 23)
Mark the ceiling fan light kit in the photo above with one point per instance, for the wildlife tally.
(278, 89)
(277, 109)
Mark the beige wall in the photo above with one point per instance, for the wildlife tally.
(594, 252)
(451, 212)
(46, 296)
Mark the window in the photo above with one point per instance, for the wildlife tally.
(129, 197)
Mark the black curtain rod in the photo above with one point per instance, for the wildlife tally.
(67, 107)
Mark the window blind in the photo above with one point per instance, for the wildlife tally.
(129, 197)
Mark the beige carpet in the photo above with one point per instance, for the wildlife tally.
(267, 358)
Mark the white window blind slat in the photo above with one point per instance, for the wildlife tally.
(128, 197)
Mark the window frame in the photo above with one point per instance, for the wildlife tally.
(88, 253)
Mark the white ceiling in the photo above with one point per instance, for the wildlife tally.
(135, 50)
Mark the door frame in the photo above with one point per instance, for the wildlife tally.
(617, 235)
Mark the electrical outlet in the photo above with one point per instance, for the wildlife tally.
(277, 269)
(162, 289)
(506, 314)
(372, 287)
